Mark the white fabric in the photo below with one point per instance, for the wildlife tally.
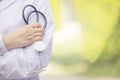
(2, 46)
(36, 77)
(13, 64)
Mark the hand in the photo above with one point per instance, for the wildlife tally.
(24, 36)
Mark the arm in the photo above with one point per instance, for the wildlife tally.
(22, 37)
(10, 66)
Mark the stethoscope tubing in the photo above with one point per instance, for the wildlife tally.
(37, 14)
(26, 20)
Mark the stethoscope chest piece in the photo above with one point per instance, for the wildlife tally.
(39, 46)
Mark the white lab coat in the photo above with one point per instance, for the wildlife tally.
(13, 64)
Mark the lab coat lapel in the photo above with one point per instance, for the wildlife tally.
(6, 3)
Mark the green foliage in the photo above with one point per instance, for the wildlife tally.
(56, 11)
(112, 48)
(99, 18)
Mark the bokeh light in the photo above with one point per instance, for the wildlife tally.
(86, 40)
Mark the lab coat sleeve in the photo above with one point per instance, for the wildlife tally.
(2, 46)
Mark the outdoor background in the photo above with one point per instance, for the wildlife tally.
(86, 44)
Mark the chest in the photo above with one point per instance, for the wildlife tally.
(11, 17)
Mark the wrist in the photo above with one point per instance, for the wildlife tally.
(8, 41)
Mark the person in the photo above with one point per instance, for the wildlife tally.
(15, 35)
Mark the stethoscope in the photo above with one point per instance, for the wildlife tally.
(39, 46)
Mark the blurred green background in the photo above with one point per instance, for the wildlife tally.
(86, 39)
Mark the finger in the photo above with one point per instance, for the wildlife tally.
(38, 35)
(30, 37)
(36, 25)
(42, 29)
(37, 39)
(38, 30)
